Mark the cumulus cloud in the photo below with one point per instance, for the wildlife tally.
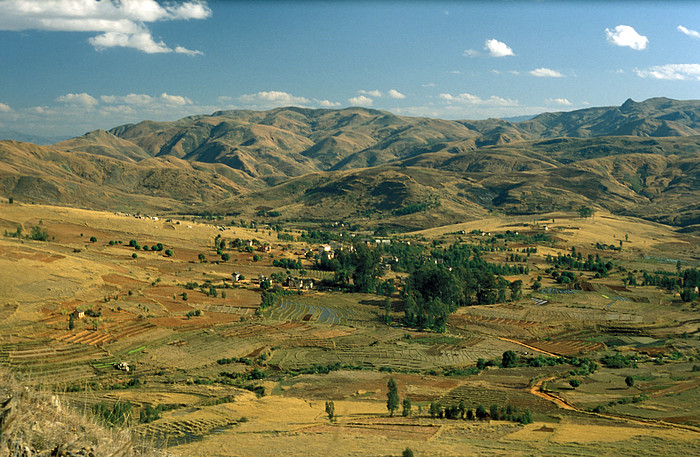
(119, 23)
(361, 100)
(4, 108)
(470, 53)
(327, 103)
(470, 99)
(624, 35)
(371, 93)
(393, 93)
(83, 99)
(272, 98)
(546, 73)
(676, 72)
(689, 32)
(498, 48)
(558, 101)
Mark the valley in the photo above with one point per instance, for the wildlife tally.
(226, 356)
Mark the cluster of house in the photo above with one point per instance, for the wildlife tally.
(290, 282)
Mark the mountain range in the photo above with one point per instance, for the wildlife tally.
(640, 159)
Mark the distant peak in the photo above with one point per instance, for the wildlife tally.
(628, 105)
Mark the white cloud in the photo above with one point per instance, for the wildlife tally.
(428, 85)
(189, 52)
(514, 72)
(360, 100)
(273, 98)
(371, 93)
(470, 99)
(455, 72)
(393, 93)
(83, 99)
(4, 108)
(624, 35)
(689, 32)
(143, 41)
(119, 23)
(676, 72)
(546, 73)
(327, 103)
(498, 48)
(558, 101)
(470, 53)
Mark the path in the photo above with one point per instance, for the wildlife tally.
(527, 346)
(536, 390)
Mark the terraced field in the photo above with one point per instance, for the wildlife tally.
(50, 359)
(297, 310)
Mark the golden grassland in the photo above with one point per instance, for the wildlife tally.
(144, 321)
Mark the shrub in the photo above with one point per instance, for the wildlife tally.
(509, 359)
(134, 255)
(93, 239)
(39, 234)
(169, 252)
(574, 383)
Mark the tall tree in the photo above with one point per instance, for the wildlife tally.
(392, 396)
(406, 411)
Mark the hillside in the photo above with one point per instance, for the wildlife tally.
(637, 159)
(49, 175)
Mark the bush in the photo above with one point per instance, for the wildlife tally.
(629, 380)
(134, 255)
(39, 234)
(509, 359)
(93, 239)
(574, 383)
(169, 252)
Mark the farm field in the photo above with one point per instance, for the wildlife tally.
(211, 363)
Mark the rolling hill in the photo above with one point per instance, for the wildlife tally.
(640, 159)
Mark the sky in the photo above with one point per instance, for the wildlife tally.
(72, 66)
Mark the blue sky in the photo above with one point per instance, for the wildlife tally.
(70, 66)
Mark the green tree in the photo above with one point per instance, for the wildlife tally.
(481, 413)
(407, 452)
(435, 409)
(574, 383)
(71, 322)
(93, 239)
(516, 288)
(392, 397)
(406, 410)
(169, 252)
(585, 212)
(39, 234)
(11, 200)
(387, 310)
(225, 257)
(330, 410)
(629, 380)
(509, 359)
(134, 255)
(202, 257)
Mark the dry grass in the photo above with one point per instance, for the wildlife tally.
(33, 422)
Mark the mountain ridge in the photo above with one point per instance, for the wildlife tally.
(640, 158)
